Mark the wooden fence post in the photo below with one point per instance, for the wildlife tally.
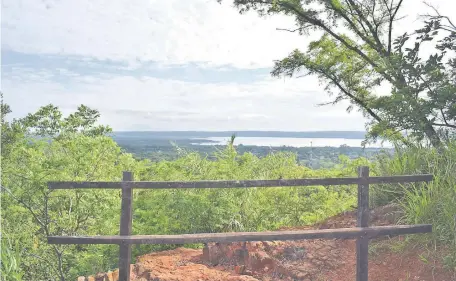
(125, 227)
(362, 242)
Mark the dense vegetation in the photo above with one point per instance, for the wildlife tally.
(74, 148)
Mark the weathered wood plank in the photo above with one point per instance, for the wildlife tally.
(246, 183)
(362, 242)
(84, 185)
(342, 233)
(242, 183)
(206, 184)
(125, 227)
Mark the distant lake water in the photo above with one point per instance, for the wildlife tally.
(293, 142)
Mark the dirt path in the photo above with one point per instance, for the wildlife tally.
(308, 260)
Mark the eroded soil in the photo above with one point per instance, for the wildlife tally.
(309, 260)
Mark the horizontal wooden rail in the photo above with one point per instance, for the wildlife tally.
(241, 183)
(342, 233)
(362, 233)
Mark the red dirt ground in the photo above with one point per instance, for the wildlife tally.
(307, 260)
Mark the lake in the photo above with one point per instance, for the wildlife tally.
(294, 142)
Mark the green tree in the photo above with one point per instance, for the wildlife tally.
(49, 147)
(357, 53)
(48, 121)
(11, 131)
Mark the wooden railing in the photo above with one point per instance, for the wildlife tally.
(362, 233)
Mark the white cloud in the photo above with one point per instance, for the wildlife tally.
(171, 31)
(131, 103)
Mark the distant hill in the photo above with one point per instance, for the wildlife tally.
(208, 134)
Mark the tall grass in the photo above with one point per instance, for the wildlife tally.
(434, 202)
(10, 260)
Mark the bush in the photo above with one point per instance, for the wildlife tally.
(434, 202)
(253, 209)
(32, 212)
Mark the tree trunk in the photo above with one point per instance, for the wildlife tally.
(432, 134)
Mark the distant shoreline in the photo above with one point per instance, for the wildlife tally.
(258, 134)
(290, 142)
(245, 138)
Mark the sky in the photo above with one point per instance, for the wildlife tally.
(165, 65)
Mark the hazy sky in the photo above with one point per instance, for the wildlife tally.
(164, 65)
